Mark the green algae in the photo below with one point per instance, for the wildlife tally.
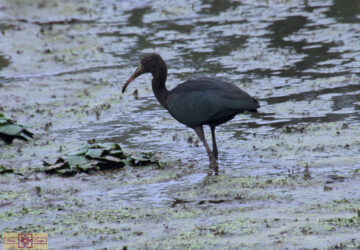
(342, 222)
(343, 205)
(8, 195)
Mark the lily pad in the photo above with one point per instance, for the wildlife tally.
(75, 160)
(94, 152)
(94, 157)
(9, 130)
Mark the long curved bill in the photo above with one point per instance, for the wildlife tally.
(137, 72)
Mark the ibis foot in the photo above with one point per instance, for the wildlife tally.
(213, 167)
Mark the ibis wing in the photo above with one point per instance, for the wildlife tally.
(204, 100)
(195, 107)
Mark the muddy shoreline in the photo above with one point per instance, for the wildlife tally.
(289, 175)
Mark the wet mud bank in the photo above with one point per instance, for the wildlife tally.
(289, 175)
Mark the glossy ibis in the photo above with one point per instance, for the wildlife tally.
(203, 101)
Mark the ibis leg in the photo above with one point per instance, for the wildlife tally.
(200, 133)
(215, 150)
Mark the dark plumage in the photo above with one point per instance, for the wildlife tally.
(208, 101)
(203, 101)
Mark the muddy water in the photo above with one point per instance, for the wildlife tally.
(62, 66)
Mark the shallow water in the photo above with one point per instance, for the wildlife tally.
(65, 63)
(300, 61)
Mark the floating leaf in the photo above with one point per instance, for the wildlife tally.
(142, 159)
(95, 157)
(9, 130)
(75, 160)
(4, 120)
(94, 153)
(86, 167)
(81, 151)
(117, 153)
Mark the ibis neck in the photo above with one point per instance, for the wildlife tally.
(158, 84)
